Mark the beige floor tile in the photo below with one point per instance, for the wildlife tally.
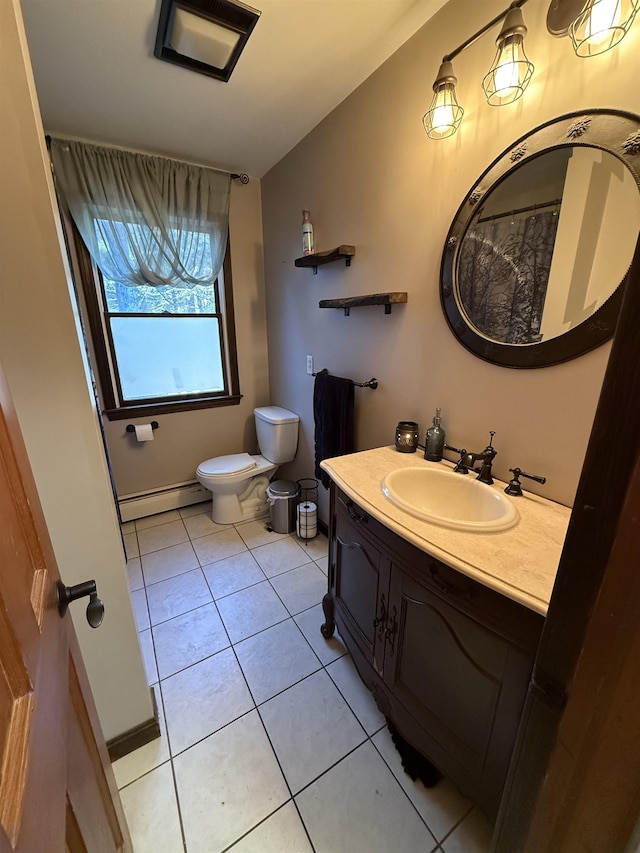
(283, 831)
(278, 557)
(148, 656)
(130, 767)
(227, 784)
(178, 595)
(300, 588)
(188, 639)
(162, 536)
(157, 519)
(441, 807)
(232, 574)
(134, 572)
(218, 546)
(309, 622)
(203, 698)
(202, 525)
(359, 806)
(255, 533)
(311, 727)
(251, 610)
(131, 545)
(151, 810)
(275, 659)
(169, 562)
(195, 509)
(345, 676)
(473, 835)
(140, 609)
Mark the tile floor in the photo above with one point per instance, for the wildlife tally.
(270, 742)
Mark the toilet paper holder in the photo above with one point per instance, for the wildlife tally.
(132, 428)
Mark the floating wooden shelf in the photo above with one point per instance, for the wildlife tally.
(319, 258)
(386, 299)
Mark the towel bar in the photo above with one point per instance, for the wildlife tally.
(372, 383)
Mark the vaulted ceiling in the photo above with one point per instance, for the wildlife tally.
(97, 78)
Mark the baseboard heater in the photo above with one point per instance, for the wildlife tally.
(176, 495)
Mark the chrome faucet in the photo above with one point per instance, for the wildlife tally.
(467, 461)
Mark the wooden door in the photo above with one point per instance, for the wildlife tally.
(57, 790)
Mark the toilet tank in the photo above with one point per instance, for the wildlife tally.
(277, 430)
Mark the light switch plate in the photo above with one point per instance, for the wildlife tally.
(310, 365)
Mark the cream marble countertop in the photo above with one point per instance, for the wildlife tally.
(520, 563)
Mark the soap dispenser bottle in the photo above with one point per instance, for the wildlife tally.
(434, 445)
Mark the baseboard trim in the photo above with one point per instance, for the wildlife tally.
(174, 496)
(140, 735)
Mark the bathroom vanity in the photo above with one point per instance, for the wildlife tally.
(442, 625)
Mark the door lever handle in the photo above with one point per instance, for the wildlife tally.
(67, 594)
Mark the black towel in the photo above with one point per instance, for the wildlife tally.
(333, 415)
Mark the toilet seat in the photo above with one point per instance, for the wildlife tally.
(227, 466)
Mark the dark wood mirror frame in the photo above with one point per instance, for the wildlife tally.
(610, 130)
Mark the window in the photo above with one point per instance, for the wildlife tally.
(161, 348)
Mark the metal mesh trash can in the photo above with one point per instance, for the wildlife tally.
(283, 497)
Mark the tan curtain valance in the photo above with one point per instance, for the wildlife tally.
(145, 220)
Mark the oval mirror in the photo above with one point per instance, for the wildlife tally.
(535, 260)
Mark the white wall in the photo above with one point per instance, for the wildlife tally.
(44, 366)
(371, 177)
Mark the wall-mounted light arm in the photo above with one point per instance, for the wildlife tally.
(515, 5)
(444, 115)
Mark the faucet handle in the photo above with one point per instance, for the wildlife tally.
(462, 465)
(515, 488)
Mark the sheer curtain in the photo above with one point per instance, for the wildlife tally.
(145, 220)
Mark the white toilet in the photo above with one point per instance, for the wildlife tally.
(238, 483)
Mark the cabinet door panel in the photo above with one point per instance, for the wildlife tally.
(450, 667)
(360, 584)
(357, 586)
(462, 683)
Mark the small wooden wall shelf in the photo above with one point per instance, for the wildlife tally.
(386, 299)
(318, 259)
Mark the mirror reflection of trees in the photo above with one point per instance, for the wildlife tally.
(503, 273)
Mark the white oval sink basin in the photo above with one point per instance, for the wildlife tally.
(451, 500)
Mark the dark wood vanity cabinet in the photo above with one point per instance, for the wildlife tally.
(447, 659)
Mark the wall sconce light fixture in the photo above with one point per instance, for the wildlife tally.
(204, 36)
(593, 25)
(511, 71)
(505, 82)
(443, 117)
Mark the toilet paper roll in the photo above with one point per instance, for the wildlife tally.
(307, 520)
(144, 432)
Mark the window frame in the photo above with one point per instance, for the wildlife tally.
(106, 366)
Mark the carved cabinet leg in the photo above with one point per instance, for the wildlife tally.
(329, 625)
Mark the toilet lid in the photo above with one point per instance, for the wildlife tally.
(234, 464)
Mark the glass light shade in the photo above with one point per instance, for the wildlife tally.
(444, 115)
(601, 25)
(511, 71)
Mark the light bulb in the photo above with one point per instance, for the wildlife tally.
(442, 114)
(506, 75)
(603, 17)
(511, 71)
(601, 25)
(443, 117)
